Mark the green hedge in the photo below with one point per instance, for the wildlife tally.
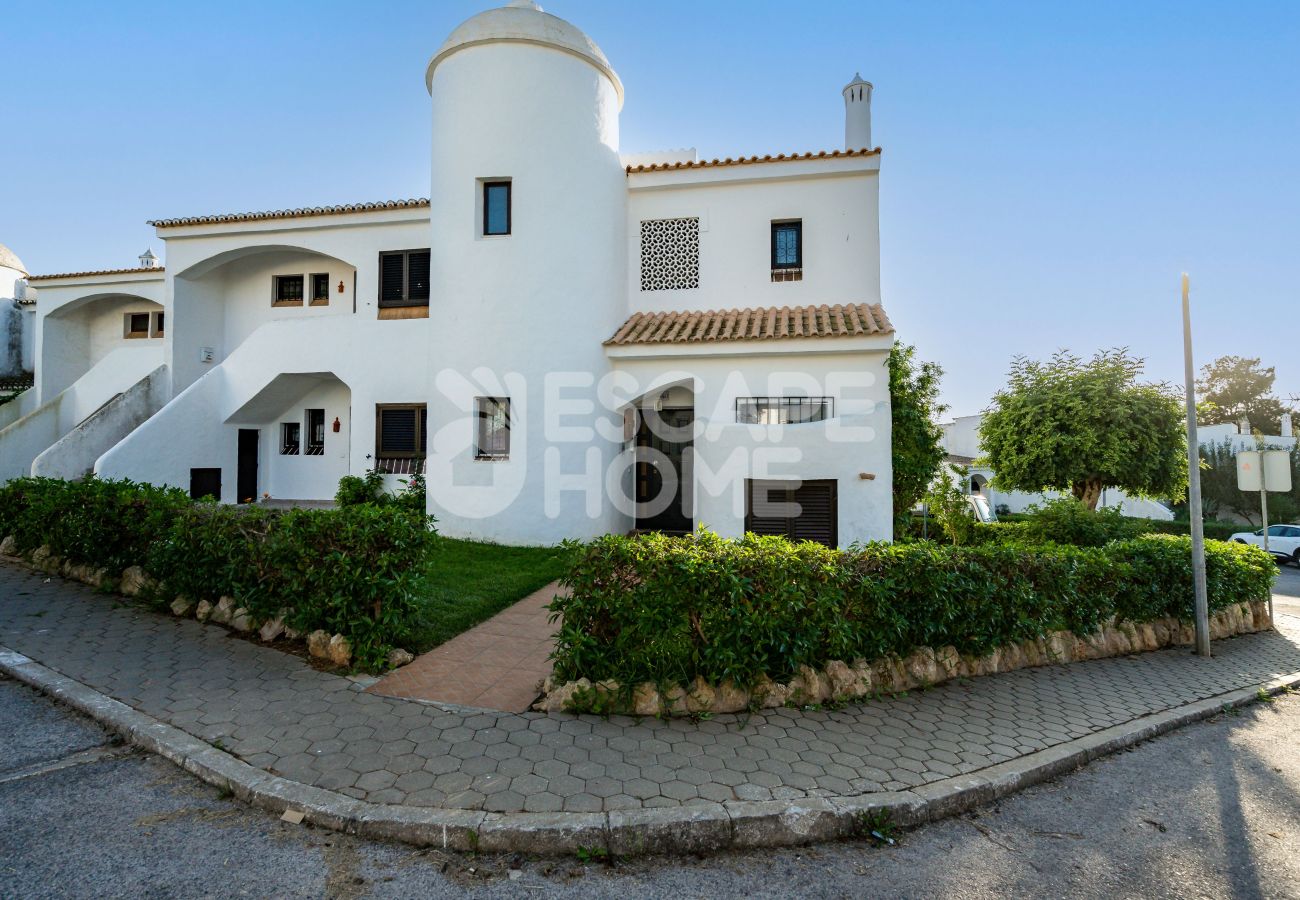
(665, 609)
(353, 571)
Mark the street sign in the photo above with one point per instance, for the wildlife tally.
(1275, 466)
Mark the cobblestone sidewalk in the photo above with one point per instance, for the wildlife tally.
(276, 713)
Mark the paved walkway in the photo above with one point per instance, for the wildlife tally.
(496, 665)
(276, 713)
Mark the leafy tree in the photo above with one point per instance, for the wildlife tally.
(1081, 426)
(917, 439)
(1233, 387)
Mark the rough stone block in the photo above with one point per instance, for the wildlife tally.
(646, 700)
(340, 650)
(134, 581)
(318, 644)
(203, 610)
(397, 657)
(181, 606)
(271, 629)
(9, 546)
(223, 611)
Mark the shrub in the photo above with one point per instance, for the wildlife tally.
(665, 609)
(1067, 521)
(353, 571)
(101, 523)
(369, 489)
(1214, 529)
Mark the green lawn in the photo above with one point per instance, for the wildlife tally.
(469, 582)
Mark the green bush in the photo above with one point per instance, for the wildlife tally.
(668, 609)
(103, 524)
(369, 489)
(1068, 521)
(353, 571)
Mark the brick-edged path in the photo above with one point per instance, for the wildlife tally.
(278, 714)
(495, 665)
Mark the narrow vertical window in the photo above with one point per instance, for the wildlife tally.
(290, 437)
(787, 245)
(320, 289)
(158, 324)
(493, 427)
(315, 432)
(496, 207)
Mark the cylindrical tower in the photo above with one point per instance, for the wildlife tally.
(857, 114)
(528, 213)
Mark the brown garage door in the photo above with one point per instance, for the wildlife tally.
(799, 510)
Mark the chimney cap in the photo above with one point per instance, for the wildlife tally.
(858, 80)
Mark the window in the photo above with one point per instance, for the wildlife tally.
(496, 207)
(493, 427)
(787, 250)
(158, 324)
(404, 278)
(400, 430)
(670, 254)
(290, 437)
(315, 432)
(320, 289)
(783, 410)
(287, 290)
(799, 510)
(136, 325)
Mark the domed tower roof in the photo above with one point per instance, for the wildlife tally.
(10, 260)
(522, 21)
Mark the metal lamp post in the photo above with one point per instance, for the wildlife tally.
(1194, 486)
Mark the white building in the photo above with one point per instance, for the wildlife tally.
(961, 438)
(569, 341)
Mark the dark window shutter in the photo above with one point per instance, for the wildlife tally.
(418, 275)
(817, 514)
(424, 429)
(392, 272)
(816, 518)
(397, 430)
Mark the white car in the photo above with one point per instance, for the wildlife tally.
(1283, 541)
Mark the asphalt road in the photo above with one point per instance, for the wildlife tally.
(1212, 810)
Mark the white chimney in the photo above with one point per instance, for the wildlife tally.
(1243, 425)
(148, 260)
(1286, 425)
(857, 114)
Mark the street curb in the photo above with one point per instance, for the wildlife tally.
(653, 831)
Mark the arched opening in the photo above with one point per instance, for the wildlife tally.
(979, 485)
(661, 425)
(113, 329)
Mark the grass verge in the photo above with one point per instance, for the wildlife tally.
(468, 582)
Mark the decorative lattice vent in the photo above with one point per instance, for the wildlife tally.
(670, 254)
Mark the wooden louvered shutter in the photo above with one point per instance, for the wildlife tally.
(810, 512)
(817, 516)
(760, 516)
(417, 276)
(392, 278)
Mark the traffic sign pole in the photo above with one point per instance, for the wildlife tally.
(1194, 486)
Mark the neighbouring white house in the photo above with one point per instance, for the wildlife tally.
(17, 326)
(567, 340)
(961, 438)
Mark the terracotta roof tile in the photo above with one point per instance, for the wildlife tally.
(158, 269)
(766, 323)
(303, 213)
(749, 160)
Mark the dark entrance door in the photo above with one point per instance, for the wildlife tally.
(246, 473)
(667, 469)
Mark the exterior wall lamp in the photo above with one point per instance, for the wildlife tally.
(337, 426)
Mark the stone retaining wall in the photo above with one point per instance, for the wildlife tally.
(840, 681)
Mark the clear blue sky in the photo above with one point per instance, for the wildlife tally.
(1048, 170)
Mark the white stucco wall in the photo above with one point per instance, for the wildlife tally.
(251, 388)
(854, 442)
(508, 310)
(837, 201)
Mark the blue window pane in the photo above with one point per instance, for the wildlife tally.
(785, 240)
(496, 203)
